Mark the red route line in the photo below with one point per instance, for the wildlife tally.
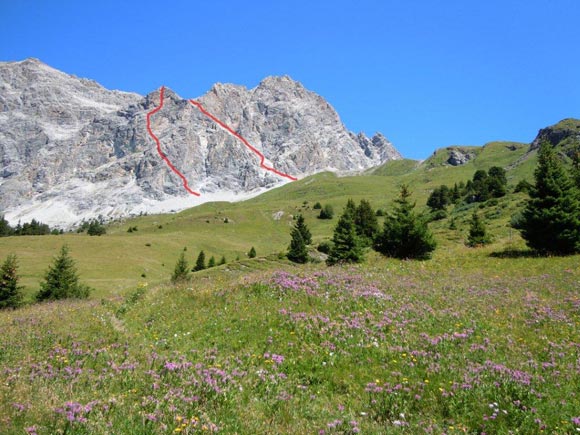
(245, 142)
(163, 156)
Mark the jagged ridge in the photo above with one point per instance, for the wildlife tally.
(71, 149)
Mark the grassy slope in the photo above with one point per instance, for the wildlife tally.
(256, 352)
(386, 347)
(116, 262)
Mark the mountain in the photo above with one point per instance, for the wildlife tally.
(565, 134)
(71, 149)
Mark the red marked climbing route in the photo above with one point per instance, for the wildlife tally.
(244, 141)
(161, 153)
(219, 122)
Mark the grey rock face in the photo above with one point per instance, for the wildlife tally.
(459, 157)
(71, 149)
(565, 133)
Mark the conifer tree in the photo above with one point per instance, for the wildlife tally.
(576, 166)
(304, 231)
(211, 262)
(200, 262)
(223, 260)
(366, 222)
(5, 228)
(550, 223)
(61, 280)
(347, 247)
(350, 207)
(96, 228)
(297, 251)
(252, 253)
(181, 272)
(455, 194)
(477, 232)
(327, 212)
(440, 198)
(404, 234)
(10, 291)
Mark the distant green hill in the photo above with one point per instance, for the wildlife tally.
(119, 260)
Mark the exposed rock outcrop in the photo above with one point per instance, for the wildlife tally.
(71, 149)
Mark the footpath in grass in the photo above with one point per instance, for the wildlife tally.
(481, 345)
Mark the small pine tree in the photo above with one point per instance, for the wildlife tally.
(211, 262)
(366, 222)
(5, 228)
(200, 262)
(452, 224)
(455, 194)
(347, 247)
(576, 166)
(96, 228)
(440, 198)
(297, 251)
(223, 260)
(350, 207)
(181, 272)
(252, 253)
(317, 206)
(477, 232)
(327, 212)
(304, 231)
(497, 181)
(523, 186)
(10, 291)
(404, 234)
(61, 280)
(550, 222)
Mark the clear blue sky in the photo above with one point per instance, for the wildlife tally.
(425, 73)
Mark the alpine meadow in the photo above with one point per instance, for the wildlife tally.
(440, 296)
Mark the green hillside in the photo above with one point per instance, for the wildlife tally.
(120, 260)
(471, 341)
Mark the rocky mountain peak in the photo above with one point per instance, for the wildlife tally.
(71, 149)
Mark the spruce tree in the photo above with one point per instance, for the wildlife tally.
(252, 253)
(497, 181)
(10, 291)
(5, 228)
(440, 198)
(455, 194)
(297, 251)
(477, 232)
(96, 228)
(61, 280)
(366, 222)
(350, 207)
(576, 166)
(550, 222)
(347, 247)
(327, 212)
(200, 262)
(404, 234)
(181, 272)
(211, 262)
(304, 231)
(223, 260)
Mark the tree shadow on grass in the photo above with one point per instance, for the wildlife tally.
(515, 253)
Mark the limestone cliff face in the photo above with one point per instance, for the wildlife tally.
(71, 149)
